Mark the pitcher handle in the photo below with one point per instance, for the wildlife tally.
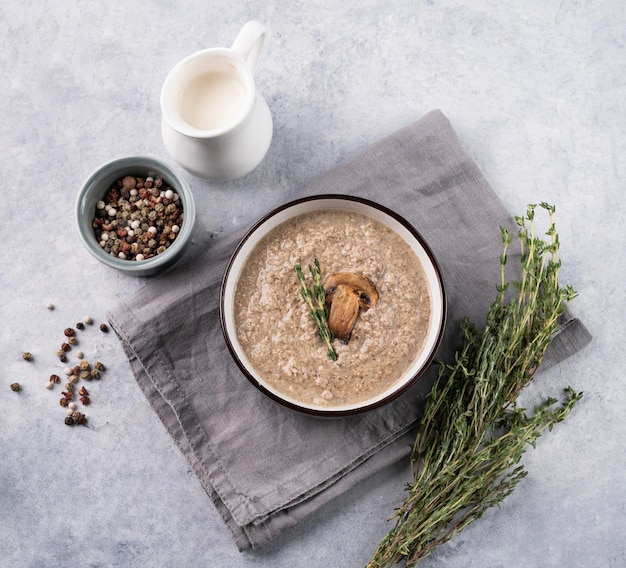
(249, 42)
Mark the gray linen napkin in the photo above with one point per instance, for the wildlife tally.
(266, 467)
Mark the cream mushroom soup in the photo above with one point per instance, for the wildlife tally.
(278, 335)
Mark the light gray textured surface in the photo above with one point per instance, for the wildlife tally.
(538, 97)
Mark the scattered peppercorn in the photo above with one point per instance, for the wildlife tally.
(50, 306)
(15, 387)
(27, 356)
(82, 370)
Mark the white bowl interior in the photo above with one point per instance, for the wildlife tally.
(433, 278)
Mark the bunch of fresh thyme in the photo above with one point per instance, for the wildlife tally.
(316, 300)
(473, 434)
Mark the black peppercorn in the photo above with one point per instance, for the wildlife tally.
(80, 325)
(69, 421)
(104, 327)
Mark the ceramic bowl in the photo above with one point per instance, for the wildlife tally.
(352, 204)
(97, 185)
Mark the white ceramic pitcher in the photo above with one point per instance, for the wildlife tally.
(215, 123)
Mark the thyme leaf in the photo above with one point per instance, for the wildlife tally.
(472, 435)
(316, 300)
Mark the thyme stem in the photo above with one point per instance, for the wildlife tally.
(316, 300)
(473, 434)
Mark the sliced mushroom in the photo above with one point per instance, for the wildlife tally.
(348, 293)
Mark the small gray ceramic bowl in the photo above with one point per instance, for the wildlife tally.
(97, 185)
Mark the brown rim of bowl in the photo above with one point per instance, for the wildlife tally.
(395, 394)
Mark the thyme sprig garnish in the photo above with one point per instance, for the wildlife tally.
(473, 433)
(316, 300)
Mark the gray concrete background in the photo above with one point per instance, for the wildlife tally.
(536, 92)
